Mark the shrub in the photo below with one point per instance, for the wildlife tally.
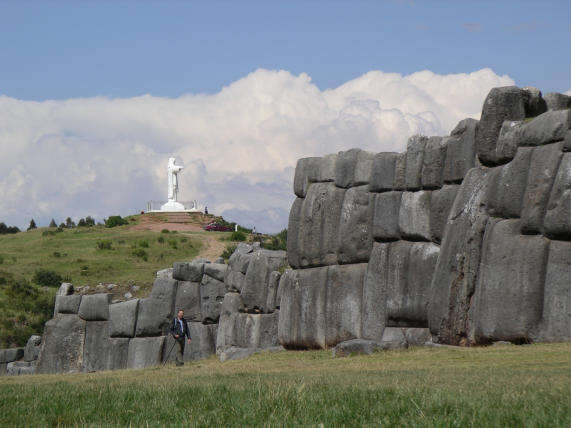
(140, 253)
(5, 230)
(104, 244)
(48, 233)
(57, 254)
(165, 231)
(161, 239)
(173, 243)
(278, 242)
(47, 278)
(238, 236)
(228, 251)
(144, 244)
(115, 220)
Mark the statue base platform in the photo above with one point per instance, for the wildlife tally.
(172, 206)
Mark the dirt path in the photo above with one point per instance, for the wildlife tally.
(211, 248)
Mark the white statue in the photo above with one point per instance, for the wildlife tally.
(174, 169)
(172, 203)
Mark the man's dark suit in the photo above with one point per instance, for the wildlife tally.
(182, 332)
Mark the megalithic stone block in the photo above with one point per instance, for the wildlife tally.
(319, 225)
(374, 315)
(96, 346)
(145, 352)
(255, 290)
(433, 163)
(353, 168)
(557, 223)
(383, 172)
(216, 270)
(123, 318)
(62, 345)
(555, 323)
(414, 160)
(302, 321)
(456, 271)
(32, 348)
(95, 307)
(188, 299)
(355, 238)
(399, 182)
(386, 216)
(460, 151)
(441, 202)
(414, 216)
(154, 317)
(118, 353)
(542, 170)
(188, 271)
(344, 302)
(211, 296)
(557, 101)
(67, 304)
(509, 296)
(307, 171)
(293, 230)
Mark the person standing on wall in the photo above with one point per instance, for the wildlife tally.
(179, 330)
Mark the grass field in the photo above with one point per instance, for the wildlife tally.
(496, 386)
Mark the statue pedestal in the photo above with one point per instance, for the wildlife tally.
(172, 206)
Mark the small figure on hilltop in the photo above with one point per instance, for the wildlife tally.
(206, 210)
(179, 329)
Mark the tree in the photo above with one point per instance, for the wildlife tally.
(53, 223)
(32, 225)
(4, 230)
(89, 221)
(69, 223)
(81, 223)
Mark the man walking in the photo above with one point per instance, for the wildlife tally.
(179, 329)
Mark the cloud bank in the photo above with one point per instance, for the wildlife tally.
(102, 156)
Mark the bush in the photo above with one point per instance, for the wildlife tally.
(140, 253)
(47, 278)
(115, 220)
(5, 230)
(238, 236)
(173, 243)
(278, 242)
(228, 251)
(165, 231)
(104, 244)
(161, 239)
(144, 244)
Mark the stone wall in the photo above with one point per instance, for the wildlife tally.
(467, 234)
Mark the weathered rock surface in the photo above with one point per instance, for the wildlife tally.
(211, 296)
(414, 216)
(188, 271)
(383, 172)
(67, 304)
(557, 223)
(188, 299)
(62, 347)
(32, 348)
(441, 202)
(386, 214)
(460, 151)
(123, 318)
(145, 352)
(433, 163)
(414, 160)
(95, 307)
(355, 238)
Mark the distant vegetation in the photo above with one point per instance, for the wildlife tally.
(116, 220)
(6, 230)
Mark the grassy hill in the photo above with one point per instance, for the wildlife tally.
(494, 386)
(34, 263)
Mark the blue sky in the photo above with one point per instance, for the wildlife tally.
(95, 96)
(57, 50)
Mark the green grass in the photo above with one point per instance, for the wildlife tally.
(88, 256)
(497, 386)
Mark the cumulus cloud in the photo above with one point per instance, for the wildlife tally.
(103, 156)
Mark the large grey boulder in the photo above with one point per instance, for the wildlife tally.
(123, 318)
(117, 353)
(215, 270)
(508, 298)
(307, 171)
(232, 306)
(557, 101)
(546, 128)
(165, 273)
(240, 260)
(293, 229)
(165, 289)
(32, 348)
(394, 338)
(68, 304)
(319, 225)
(399, 182)
(509, 140)
(153, 318)
(557, 223)
(441, 202)
(65, 289)
(433, 163)
(556, 314)
(567, 142)
(501, 104)
(272, 298)
(188, 299)
(95, 307)
(19, 368)
(211, 296)
(145, 352)
(235, 280)
(414, 160)
(508, 184)
(255, 290)
(414, 216)
(383, 172)
(302, 321)
(355, 240)
(374, 309)
(456, 270)
(353, 168)
(343, 302)
(188, 271)
(203, 342)
(62, 345)
(460, 151)
(386, 216)
(96, 347)
(542, 170)
(10, 354)
(327, 167)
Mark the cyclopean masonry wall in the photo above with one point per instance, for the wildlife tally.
(469, 235)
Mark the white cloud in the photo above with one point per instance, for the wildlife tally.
(568, 92)
(101, 156)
